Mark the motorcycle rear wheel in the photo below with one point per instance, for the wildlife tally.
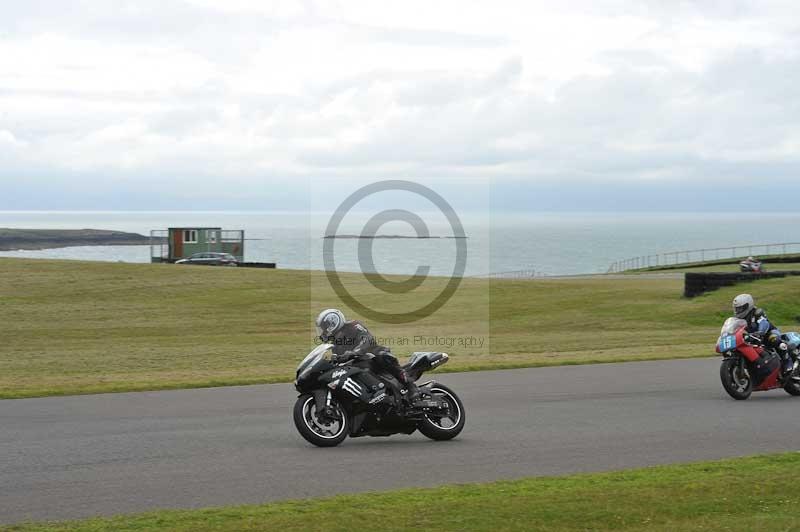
(736, 382)
(792, 388)
(447, 427)
(322, 433)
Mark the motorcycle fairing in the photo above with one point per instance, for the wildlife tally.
(314, 364)
(766, 372)
(422, 361)
(792, 339)
(313, 358)
(726, 342)
(730, 342)
(345, 383)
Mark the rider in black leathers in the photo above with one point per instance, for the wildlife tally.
(351, 339)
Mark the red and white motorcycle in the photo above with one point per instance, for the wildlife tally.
(748, 366)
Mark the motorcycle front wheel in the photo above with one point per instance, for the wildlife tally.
(444, 427)
(322, 432)
(735, 379)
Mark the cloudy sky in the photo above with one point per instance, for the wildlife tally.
(236, 104)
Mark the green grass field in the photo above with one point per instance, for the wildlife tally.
(83, 327)
(739, 495)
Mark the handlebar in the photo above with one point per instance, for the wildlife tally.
(753, 339)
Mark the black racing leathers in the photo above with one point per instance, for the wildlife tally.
(354, 340)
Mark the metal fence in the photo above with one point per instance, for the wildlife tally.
(516, 274)
(159, 245)
(694, 256)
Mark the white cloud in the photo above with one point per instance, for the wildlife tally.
(597, 91)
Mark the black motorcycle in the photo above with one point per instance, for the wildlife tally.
(350, 399)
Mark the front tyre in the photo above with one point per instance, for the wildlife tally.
(322, 432)
(445, 427)
(735, 379)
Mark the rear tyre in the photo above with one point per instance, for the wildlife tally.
(735, 380)
(792, 388)
(444, 427)
(320, 432)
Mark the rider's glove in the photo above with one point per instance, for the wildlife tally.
(344, 357)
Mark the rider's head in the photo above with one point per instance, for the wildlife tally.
(743, 305)
(328, 323)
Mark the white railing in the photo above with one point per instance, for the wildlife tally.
(695, 256)
(516, 274)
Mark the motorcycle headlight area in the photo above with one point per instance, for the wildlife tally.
(308, 363)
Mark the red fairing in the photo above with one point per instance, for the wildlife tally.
(770, 382)
(750, 352)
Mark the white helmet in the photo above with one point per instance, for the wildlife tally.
(329, 321)
(743, 304)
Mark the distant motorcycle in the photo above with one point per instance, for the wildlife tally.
(349, 399)
(747, 366)
(751, 265)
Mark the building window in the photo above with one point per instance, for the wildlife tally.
(190, 236)
(212, 237)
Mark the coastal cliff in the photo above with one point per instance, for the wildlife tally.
(13, 239)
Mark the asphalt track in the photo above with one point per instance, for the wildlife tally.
(64, 458)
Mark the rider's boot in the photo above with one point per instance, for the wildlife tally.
(789, 369)
(412, 390)
(787, 364)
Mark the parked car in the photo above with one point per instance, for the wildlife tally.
(210, 259)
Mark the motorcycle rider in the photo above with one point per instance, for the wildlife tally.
(351, 339)
(758, 325)
(751, 264)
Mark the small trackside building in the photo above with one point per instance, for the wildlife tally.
(178, 243)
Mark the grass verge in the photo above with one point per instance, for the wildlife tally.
(742, 494)
(74, 327)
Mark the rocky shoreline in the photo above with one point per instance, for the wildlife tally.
(14, 239)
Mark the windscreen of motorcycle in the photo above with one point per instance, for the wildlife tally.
(312, 359)
(732, 325)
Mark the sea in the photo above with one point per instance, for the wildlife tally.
(544, 244)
